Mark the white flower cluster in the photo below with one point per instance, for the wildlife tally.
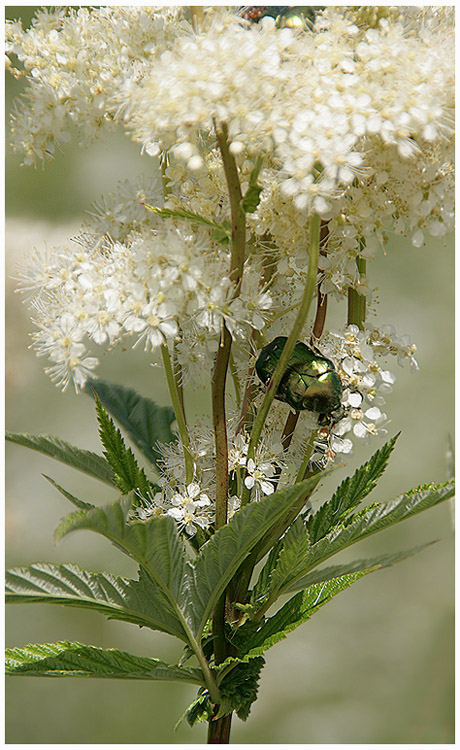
(188, 504)
(167, 275)
(77, 61)
(316, 103)
(365, 382)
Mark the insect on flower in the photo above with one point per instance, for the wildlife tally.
(310, 380)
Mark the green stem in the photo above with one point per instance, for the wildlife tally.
(356, 301)
(178, 412)
(178, 375)
(238, 253)
(236, 381)
(214, 692)
(290, 343)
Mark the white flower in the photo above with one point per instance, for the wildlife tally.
(190, 508)
(258, 476)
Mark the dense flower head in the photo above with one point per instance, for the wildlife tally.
(350, 119)
(76, 62)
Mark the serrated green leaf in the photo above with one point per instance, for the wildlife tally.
(334, 571)
(128, 475)
(296, 544)
(157, 547)
(68, 495)
(220, 558)
(146, 423)
(296, 611)
(239, 688)
(70, 659)
(350, 493)
(69, 585)
(83, 460)
(377, 518)
(260, 591)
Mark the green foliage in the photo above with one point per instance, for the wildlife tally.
(145, 423)
(157, 547)
(221, 231)
(334, 571)
(228, 548)
(67, 659)
(251, 198)
(178, 595)
(69, 585)
(296, 543)
(83, 460)
(296, 611)
(350, 493)
(239, 688)
(376, 518)
(68, 495)
(128, 475)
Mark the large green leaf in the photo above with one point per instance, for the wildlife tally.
(83, 460)
(296, 611)
(67, 659)
(221, 557)
(117, 598)
(377, 518)
(146, 423)
(350, 493)
(157, 547)
(356, 566)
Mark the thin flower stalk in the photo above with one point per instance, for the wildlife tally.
(357, 301)
(180, 416)
(238, 246)
(290, 343)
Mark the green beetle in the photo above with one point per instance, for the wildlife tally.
(310, 380)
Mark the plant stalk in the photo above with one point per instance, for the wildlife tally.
(356, 301)
(290, 343)
(180, 416)
(219, 731)
(238, 252)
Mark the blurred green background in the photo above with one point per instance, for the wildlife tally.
(374, 666)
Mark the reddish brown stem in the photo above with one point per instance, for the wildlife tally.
(321, 302)
(219, 731)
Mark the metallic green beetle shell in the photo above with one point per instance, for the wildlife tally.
(309, 382)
